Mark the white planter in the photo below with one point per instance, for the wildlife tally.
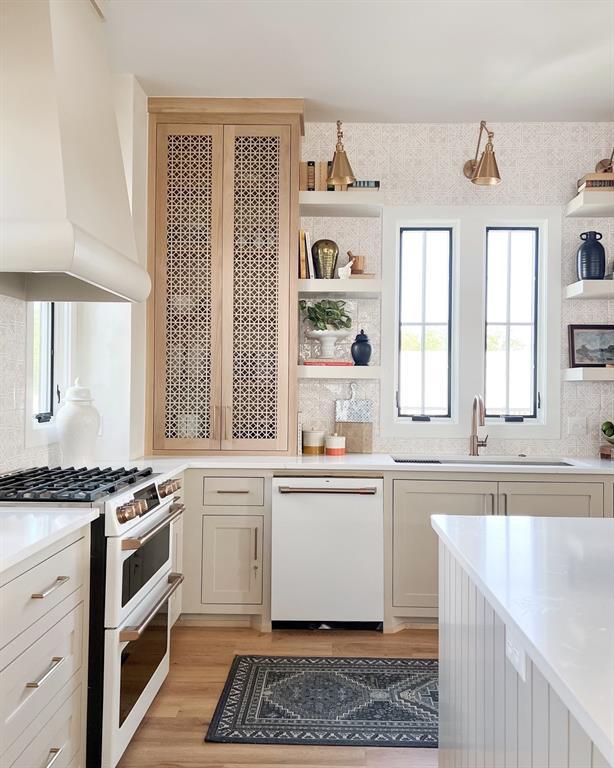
(77, 424)
(328, 340)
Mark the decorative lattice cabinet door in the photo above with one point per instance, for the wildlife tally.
(256, 242)
(188, 287)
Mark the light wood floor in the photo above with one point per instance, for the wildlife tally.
(171, 736)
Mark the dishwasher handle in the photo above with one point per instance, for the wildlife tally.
(364, 491)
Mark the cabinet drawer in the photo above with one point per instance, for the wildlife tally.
(34, 679)
(60, 735)
(233, 491)
(31, 595)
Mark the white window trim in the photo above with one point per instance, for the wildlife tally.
(469, 225)
(39, 435)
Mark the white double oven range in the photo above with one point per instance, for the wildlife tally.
(130, 588)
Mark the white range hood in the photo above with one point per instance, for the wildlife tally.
(66, 230)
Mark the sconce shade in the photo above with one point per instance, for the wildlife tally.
(487, 171)
(341, 173)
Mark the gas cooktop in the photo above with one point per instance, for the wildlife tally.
(71, 484)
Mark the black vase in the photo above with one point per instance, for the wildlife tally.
(591, 257)
(361, 349)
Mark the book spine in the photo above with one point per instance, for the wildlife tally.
(312, 272)
(321, 176)
(302, 176)
(302, 261)
(330, 187)
(311, 176)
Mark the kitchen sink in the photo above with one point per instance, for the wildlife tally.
(480, 461)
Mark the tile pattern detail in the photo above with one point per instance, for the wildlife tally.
(188, 286)
(255, 287)
(14, 453)
(420, 164)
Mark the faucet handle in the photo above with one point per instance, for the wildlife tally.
(483, 442)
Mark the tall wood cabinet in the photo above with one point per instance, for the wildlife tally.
(225, 210)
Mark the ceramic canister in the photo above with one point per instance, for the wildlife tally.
(77, 423)
(313, 442)
(335, 445)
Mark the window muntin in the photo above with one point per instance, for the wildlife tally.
(425, 299)
(512, 270)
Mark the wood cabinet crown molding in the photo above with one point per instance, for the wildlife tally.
(231, 108)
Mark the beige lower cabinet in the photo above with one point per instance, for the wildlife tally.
(176, 566)
(546, 499)
(414, 546)
(232, 559)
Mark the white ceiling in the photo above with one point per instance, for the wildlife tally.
(379, 61)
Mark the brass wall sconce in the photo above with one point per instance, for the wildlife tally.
(485, 172)
(341, 173)
(606, 166)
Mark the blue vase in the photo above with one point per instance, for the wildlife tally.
(361, 349)
(591, 257)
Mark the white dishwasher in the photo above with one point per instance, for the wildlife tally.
(327, 549)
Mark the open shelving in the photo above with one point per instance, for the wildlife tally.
(591, 202)
(588, 374)
(590, 289)
(339, 371)
(362, 289)
(339, 204)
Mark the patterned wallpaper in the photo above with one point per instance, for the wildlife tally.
(420, 164)
(13, 452)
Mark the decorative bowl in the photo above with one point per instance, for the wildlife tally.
(603, 434)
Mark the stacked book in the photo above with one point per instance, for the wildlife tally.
(594, 181)
(313, 177)
(305, 258)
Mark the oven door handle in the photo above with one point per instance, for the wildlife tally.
(129, 543)
(127, 634)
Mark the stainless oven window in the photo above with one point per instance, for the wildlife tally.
(144, 563)
(140, 659)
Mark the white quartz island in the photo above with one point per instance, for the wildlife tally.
(526, 642)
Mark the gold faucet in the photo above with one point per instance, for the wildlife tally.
(478, 419)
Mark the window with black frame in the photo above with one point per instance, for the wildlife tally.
(511, 338)
(425, 327)
(43, 353)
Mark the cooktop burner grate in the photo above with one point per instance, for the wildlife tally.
(61, 485)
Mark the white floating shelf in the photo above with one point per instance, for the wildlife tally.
(339, 371)
(590, 289)
(591, 202)
(588, 374)
(366, 289)
(351, 203)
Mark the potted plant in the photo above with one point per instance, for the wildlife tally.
(327, 318)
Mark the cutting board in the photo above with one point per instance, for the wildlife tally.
(358, 436)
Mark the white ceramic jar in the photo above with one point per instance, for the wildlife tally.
(77, 423)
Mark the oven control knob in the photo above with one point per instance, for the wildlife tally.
(127, 512)
(141, 506)
(168, 487)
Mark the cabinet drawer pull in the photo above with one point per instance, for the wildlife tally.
(56, 585)
(366, 491)
(127, 634)
(55, 663)
(53, 755)
(233, 492)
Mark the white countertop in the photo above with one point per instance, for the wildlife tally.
(367, 462)
(24, 530)
(552, 579)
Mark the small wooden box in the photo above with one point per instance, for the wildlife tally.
(358, 436)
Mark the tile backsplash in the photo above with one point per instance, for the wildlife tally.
(13, 451)
(421, 164)
(417, 164)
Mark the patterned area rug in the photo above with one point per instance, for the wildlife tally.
(328, 701)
